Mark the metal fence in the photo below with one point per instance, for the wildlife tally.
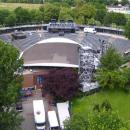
(44, 27)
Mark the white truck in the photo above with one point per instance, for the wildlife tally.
(63, 113)
(89, 30)
(39, 114)
(53, 121)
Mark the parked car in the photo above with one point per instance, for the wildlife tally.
(19, 106)
(89, 30)
(61, 33)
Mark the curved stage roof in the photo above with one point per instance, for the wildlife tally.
(53, 52)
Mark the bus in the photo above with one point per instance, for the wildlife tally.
(39, 114)
(53, 121)
(63, 113)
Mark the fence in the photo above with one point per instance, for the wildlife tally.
(44, 27)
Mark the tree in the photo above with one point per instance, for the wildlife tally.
(111, 79)
(127, 30)
(62, 84)
(110, 74)
(3, 14)
(111, 60)
(22, 15)
(103, 120)
(108, 19)
(66, 14)
(124, 2)
(106, 120)
(36, 15)
(87, 11)
(105, 106)
(10, 85)
(77, 122)
(10, 20)
(117, 18)
(100, 14)
(50, 12)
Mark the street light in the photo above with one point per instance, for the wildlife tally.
(103, 45)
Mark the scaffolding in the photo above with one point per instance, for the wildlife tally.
(88, 63)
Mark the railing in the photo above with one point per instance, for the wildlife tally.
(44, 26)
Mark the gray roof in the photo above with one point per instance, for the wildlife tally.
(58, 54)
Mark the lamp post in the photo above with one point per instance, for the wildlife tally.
(103, 46)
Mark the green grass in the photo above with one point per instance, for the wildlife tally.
(120, 102)
(12, 6)
(127, 16)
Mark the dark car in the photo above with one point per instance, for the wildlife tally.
(61, 33)
(19, 106)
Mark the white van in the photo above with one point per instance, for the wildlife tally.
(39, 114)
(89, 30)
(53, 121)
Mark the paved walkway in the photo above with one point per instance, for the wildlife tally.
(113, 35)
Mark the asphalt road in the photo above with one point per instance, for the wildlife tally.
(92, 40)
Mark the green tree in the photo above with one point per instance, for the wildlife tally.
(108, 19)
(87, 11)
(22, 15)
(10, 20)
(65, 13)
(127, 30)
(111, 79)
(100, 12)
(110, 74)
(111, 60)
(50, 11)
(106, 120)
(10, 84)
(3, 14)
(124, 2)
(36, 15)
(77, 122)
(103, 120)
(117, 18)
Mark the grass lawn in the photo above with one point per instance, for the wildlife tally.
(12, 6)
(120, 102)
(127, 16)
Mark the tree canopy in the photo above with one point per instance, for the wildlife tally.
(10, 84)
(127, 30)
(103, 120)
(111, 59)
(110, 74)
(62, 84)
(81, 11)
(117, 18)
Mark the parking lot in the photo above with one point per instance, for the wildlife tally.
(28, 123)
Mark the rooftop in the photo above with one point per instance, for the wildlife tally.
(57, 52)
